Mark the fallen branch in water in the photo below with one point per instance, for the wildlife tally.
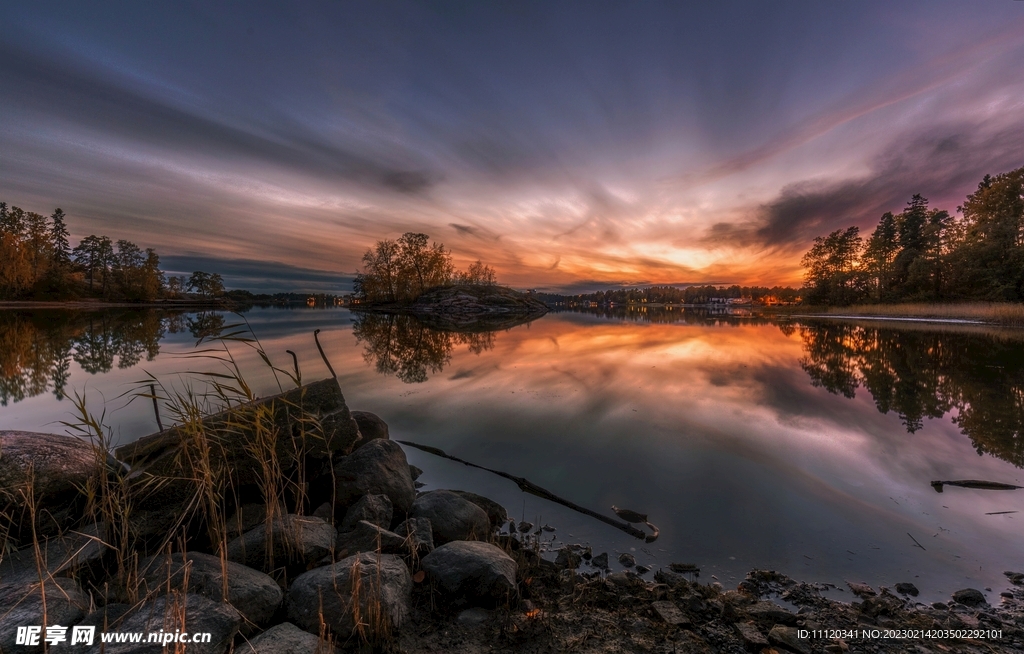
(528, 486)
(974, 483)
(915, 541)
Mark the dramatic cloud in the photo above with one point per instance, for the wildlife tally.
(562, 144)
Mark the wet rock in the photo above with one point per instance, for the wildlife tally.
(472, 571)
(1016, 578)
(415, 472)
(371, 427)
(525, 526)
(600, 561)
(419, 533)
(750, 635)
(642, 569)
(568, 559)
(292, 540)
(861, 590)
(969, 597)
(375, 509)
(367, 537)
(627, 560)
(787, 637)
(21, 604)
(451, 517)
(176, 611)
(907, 588)
(285, 638)
(384, 583)
(254, 594)
(377, 468)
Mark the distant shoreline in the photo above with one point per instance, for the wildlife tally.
(103, 304)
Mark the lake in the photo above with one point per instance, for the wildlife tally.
(802, 445)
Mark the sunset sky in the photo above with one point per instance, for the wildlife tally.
(572, 146)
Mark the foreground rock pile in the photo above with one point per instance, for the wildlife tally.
(364, 562)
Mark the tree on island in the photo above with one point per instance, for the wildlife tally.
(206, 284)
(402, 270)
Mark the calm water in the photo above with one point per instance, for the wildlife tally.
(805, 446)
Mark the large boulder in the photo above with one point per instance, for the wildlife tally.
(472, 571)
(496, 513)
(285, 638)
(56, 469)
(310, 425)
(254, 594)
(452, 517)
(366, 537)
(370, 426)
(419, 533)
(376, 587)
(188, 613)
(21, 604)
(377, 468)
(375, 509)
(291, 540)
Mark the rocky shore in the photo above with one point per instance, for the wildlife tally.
(295, 525)
(467, 306)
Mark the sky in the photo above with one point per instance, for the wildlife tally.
(571, 146)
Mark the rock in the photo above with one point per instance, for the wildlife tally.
(787, 637)
(907, 588)
(61, 466)
(415, 472)
(642, 569)
(568, 559)
(367, 537)
(768, 612)
(375, 509)
(325, 512)
(254, 594)
(474, 617)
(166, 455)
(600, 561)
(285, 638)
(669, 613)
(386, 587)
(377, 468)
(525, 526)
(246, 517)
(21, 604)
(73, 553)
(472, 571)
(371, 427)
(189, 613)
(627, 560)
(420, 535)
(496, 513)
(751, 635)
(294, 540)
(669, 578)
(861, 590)
(969, 597)
(451, 517)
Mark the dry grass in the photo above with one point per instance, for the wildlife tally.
(1001, 313)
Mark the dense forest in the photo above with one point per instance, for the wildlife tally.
(402, 270)
(928, 255)
(37, 262)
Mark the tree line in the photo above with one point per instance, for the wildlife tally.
(401, 270)
(928, 255)
(37, 262)
(695, 294)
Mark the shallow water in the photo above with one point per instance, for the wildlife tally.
(806, 446)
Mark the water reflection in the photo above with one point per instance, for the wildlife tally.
(926, 374)
(38, 347)
(402, 346)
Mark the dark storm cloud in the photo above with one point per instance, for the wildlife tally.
(931, 162)
(104, 101)
(259, 276)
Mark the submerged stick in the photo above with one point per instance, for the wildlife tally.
(974, 483)
(915, 541)
(528, 486)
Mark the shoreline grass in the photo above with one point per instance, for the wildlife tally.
(997, 313)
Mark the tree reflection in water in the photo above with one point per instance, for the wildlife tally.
(403, 346)
(926, 374)
(37, 347)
